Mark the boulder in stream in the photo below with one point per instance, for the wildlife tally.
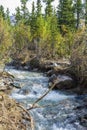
(64, 85)
(64, 82)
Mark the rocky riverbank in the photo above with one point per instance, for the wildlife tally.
(54, 70)
(12, 115)
(67, 81)
(66, 109)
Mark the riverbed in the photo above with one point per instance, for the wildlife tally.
(56, 111)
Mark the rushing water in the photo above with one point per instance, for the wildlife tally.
(58, 111)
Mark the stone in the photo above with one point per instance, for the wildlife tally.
(24, 91)
(53, 78)
(66, 84)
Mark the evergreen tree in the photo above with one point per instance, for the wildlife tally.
(66, 17)
(8, 15)
(33, 9)
(39, 7)
(49, 9)
(54, 32)
(24, 9)
(2, 13)
(18, 15)
(78, 10)
(33, 20)
(86, 12)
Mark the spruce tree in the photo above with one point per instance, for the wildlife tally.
(18, 15)
(49, 9)
(54, 32)
(66, 17)
(33, 20)
(2, 13)
(78, 11)
(33, 9)
(24, 9)
(39, 7)
(86, 12)
(8, 15)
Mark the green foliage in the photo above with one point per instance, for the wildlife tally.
(22, 14)
(66, 15)
(49, 9)
(7, 16)
(50, 35)
(86, 12)
(2, 13)
(5, 39)
(18, 15)
(42, 31)
(38, 8)
(22, 36)
(24, 9)
(78, 11)
(33, 21)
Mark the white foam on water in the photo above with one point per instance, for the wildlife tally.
(56, 128)
(18, 96)
(69, 127)
(56, 96)
(64, 77)
(22, 96)
(24, 74)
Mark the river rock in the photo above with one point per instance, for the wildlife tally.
(53, 78)
(66, 84)
(34, 63)
(83, 120)
(24, 91)
(16, 85)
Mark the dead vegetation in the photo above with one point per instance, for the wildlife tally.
(79, 58)
(13, 116)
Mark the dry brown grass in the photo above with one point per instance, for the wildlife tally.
(11, 116)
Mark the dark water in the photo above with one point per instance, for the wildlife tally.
(60, 111)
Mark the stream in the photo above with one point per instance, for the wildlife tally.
(58, 110)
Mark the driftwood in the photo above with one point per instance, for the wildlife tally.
(44, 106)
(39, 99)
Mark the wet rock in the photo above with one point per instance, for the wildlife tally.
(53, 78)
(83, 120)
(24, 91)
(16, 85)
(35, 92)
(66, 84)
(35, 62)
(63, 82)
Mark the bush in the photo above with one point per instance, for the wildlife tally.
(79, 58)
(5, 39)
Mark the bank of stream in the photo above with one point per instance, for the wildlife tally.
(56, 111)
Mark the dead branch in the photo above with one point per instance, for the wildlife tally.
(33, 105)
